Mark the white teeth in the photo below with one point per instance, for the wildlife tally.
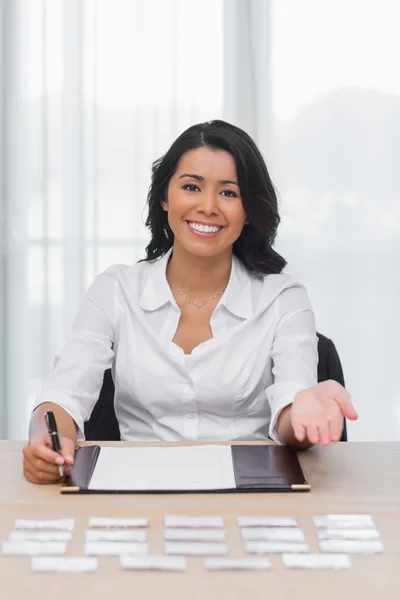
(204, 228)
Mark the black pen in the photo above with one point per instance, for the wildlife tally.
(55, 438)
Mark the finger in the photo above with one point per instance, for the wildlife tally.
(324, 434)
(68, 450)
(338, 393)
(39, 477)
(36, 466)
(312, 434)
(30, 476)
(39, 450)
(47, 478)
(349, 411)
(299, 432)
(335, 428)
(45, 467)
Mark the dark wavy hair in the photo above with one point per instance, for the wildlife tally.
(254, 245)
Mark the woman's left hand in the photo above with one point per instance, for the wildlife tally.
(317, 412)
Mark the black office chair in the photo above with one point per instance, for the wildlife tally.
(103, 424)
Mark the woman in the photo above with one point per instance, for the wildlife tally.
(207, 340)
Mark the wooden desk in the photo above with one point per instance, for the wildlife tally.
(345, 478)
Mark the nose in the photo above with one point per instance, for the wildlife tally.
(208, 203)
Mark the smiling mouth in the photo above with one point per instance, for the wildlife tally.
(204, 230)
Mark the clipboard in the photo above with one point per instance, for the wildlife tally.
(257, 468)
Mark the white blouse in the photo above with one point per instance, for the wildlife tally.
(233, 386)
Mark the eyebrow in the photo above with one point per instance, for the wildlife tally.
(201, 178)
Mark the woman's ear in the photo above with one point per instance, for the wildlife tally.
(164, 204)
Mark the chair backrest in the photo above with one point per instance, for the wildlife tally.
(103, 424)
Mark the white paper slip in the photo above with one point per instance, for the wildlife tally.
(116, 535)
(267, 522)
(194, 535)
(351, 546)
(26, 548)
(348, 534)
(64, 524)
(237, 564)
(196, 548)
(40, 536)
(344, 521)
(186, 521)
(316, 561)
(154, 562)
(118, 522)
(114, 548)
(272, 534)
(64, 564)
(275, 547)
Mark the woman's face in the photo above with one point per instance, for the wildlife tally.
(205, 210)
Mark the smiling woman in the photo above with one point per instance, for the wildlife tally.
(221, 168)
(206, 338)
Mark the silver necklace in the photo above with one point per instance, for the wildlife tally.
(191, 301)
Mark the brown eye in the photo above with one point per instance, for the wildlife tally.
(229, 193)
(190, 187)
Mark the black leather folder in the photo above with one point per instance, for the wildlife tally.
(257, 468)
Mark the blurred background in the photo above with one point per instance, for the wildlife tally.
(93, 91)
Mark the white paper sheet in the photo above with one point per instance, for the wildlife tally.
(118, 522)
(64, 564)
(237, 564)
(63, 524)
(275, 547)
(351, 546)
(272, 534)
(116, 535)
(316, 561)
(160, 468)
(114, 548)
(348, 534)
(154, 562)
(40, 536)
(187, 521)
(25, 548)
(194, 535)
(344, 521)
(196, 548)
(266, 521)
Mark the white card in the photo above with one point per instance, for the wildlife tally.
(237, 564)
(40, 536)
(344, 521)
(64, 564)
(348, 534)
(267, 522)
(114, 548)
(116, 535)
(25, 548)
(351, 546)
(316, 561)
(194, 535)
(185, 521)
(349, 517)
(272, 534)
(64, 524)
(275, 547)
(154, 562)
(118, 522)
(196, 548)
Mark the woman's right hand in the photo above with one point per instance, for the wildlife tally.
(41, 463)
